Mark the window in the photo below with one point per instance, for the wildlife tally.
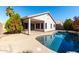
(50, 25)
(45, 25)
(38, 26)
(41, 25)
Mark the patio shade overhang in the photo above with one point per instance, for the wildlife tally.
(29, 21)
(32, 20)
(39, 14)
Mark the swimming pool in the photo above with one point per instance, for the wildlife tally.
(61, 42)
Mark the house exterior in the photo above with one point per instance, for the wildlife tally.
(39, 22)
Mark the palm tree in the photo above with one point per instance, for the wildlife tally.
(14, 23)
(9, 11)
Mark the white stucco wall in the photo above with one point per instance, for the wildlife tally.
(47, 19)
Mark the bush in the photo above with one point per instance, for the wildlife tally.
(68, 24)
(13, 24)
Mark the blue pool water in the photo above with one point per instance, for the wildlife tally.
(61, 42)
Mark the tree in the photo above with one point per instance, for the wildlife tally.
(75, 18)
(76, 24)
(68, 24)
(13, 24)
(9, 11)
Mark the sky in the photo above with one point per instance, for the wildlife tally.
(59, 13)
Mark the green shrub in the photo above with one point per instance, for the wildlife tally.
(68, 24)
(13, 24)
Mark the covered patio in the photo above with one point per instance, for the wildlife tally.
(31, 24)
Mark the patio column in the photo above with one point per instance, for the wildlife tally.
(29, 25)
(44, 26)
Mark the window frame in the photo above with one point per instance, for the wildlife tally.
(45, 25)
(51, 25)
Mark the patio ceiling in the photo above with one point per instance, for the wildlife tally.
(33, 20)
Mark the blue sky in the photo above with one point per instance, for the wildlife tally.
(59, 13)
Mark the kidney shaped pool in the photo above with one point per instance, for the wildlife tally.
(61, 42)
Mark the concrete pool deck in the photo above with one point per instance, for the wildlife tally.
(24, 43)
